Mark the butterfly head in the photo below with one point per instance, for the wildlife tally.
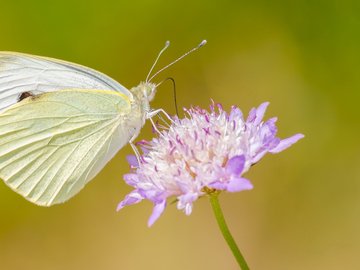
(142, 95)
(144, 92)
(149, 90)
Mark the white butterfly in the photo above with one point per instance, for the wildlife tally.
(60, 123)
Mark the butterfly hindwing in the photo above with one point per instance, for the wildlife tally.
(51, 145)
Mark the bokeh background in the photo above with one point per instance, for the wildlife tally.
(302, 56)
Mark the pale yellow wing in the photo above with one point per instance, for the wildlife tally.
(53, 144)
(30, 73)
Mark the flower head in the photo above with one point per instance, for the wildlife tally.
(207, 150)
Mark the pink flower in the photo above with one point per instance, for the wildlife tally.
(202, 152)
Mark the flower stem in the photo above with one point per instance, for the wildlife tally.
(225, 231)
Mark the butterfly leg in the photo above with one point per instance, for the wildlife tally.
(154, 113)
(136, 151)
(151, 114)
(154, 126)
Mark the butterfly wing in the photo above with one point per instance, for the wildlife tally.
(29, 73)
(51, 145)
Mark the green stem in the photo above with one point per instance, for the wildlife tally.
(225, 231)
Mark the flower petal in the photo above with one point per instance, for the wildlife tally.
(218, 185)
(235, 114)
(131, 179)
(260, 111)
(238, 184)
(132, 198)
(133, 161)
(185, 202)
(157, 211)
(285, 143)
(258, 156)
(235, 165)
(252, 115)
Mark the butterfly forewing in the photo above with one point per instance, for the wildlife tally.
(53, 144)
(21, 73)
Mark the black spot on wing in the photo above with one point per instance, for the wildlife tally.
(24, 95)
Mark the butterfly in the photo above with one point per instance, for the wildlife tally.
(60, 123)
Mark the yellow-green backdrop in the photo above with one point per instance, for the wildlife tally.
(302, 56)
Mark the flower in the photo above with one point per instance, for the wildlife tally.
(203, 152)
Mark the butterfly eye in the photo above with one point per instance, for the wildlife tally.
(152, 94)
(150, 91)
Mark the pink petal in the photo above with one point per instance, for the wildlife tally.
(252, 115)
(185, 202)
(131, 179)
(235, 114)
(132, 160)
(260, 111)
(238, 184)
(130, 199)
(157, 211)
(285, 143)
(258, 156)
(218, 185)
(235, 165)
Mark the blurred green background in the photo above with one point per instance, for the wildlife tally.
(302, 56)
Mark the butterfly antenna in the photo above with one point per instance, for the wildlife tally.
(167, 44)
(177, 60)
